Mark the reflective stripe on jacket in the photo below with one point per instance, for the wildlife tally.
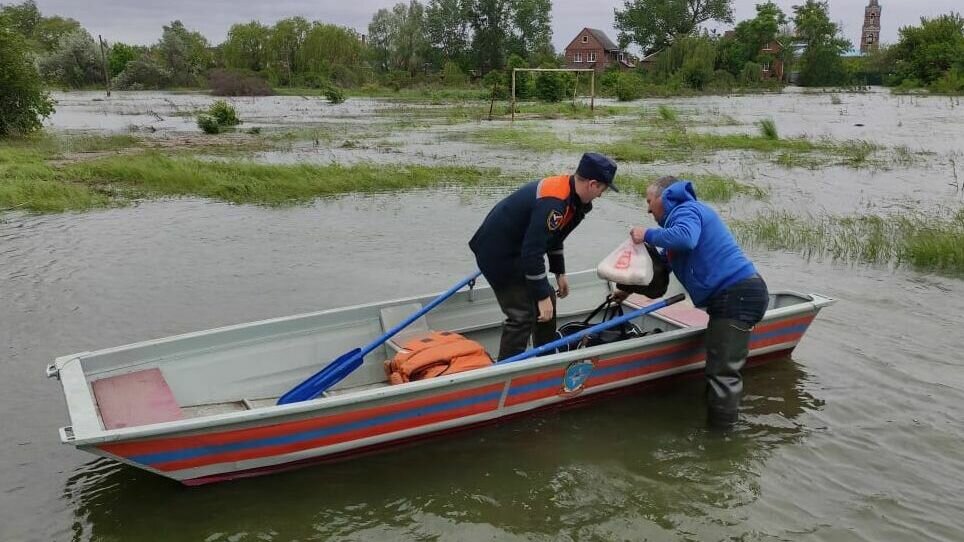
(525, 227)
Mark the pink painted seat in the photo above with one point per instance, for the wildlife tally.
(685, 315)
(134, 399)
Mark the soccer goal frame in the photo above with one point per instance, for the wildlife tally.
(592, 83)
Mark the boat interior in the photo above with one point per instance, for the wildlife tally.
(248, 366)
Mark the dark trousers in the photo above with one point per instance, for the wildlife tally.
(521, 319)
(733, 313)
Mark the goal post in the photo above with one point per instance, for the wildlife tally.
(592, 83)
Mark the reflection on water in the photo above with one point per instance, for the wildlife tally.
(625, 467)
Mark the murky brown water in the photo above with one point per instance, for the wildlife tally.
(858, 437)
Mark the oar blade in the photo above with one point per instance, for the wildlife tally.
(330, 375)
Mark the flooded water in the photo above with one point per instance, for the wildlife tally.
(857, 437)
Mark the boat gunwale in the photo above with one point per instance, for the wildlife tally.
(810, 303)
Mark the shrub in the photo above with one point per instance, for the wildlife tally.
(752, 74)
(722, 80)
(494, 85)
(75, 63)
(143, 73)
(224, 113)
(334, 94)
(23, 102)
(523, 80)
(951, 83)
(453, 75)
(208, 124)
(238, 83)
(550, 87)
(628, 87)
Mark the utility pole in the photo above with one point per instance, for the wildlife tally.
(103, 59)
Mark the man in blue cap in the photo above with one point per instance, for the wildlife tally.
(519, 232)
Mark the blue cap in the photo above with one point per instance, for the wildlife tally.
(597, 167)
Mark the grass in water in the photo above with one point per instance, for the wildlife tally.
(532, 139)
(709, 187)
(478, 111)
(768, 129)
(247, 182)
(668, 114)
(28, 183)
(932, 242)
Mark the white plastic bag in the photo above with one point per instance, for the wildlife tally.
(628, 264)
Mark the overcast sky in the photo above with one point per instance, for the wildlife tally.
(139, 21)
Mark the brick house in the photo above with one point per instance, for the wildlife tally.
(774, 68)
(592, 49)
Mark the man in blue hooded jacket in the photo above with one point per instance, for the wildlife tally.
(707, 261)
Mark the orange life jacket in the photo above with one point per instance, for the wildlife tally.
(441, 353)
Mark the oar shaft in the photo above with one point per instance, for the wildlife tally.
(404, 323)
(549, 347)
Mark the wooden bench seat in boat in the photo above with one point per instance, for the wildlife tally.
(134, 399)
(683, 313)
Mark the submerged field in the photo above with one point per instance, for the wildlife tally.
(773, 162)
(124, 223)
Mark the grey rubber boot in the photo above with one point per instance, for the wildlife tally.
(727, 346)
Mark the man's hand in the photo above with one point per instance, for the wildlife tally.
(619, 296)
(545, 309)
(563, 283)
(638, 234)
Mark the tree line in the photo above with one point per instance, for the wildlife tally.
(460, 42)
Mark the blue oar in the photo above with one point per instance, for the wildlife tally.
(344, 364)
(551, 347)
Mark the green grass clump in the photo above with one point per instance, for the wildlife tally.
(931, 242)
(768, 129)
(154, 174)
(29, 183)
(709, 187)
(520, 137)
(668, 114)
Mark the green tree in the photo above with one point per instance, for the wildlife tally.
(75, 63)
(22, 18)
(183, 53)
(927, 52)
(331, 53)
(750, 37)
(523, 81)
(550, 86)
(532, 25)
(491, 23)
(285, 44)
(142, 73)
(398, 37)
(23, 102)
(821, 62)
(50, 30)
(120, 54)
(447, 27)
(246, 47)
(655, 24)
(689, 61)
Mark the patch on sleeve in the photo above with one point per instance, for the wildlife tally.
(554, 222)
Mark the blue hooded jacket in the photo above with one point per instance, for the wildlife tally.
(700, 249)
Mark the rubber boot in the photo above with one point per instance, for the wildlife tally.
(727, 346)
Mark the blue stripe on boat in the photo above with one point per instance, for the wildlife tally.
(191, 453)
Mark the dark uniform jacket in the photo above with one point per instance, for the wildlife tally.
(512, 242)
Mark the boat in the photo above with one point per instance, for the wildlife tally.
(203, 407)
